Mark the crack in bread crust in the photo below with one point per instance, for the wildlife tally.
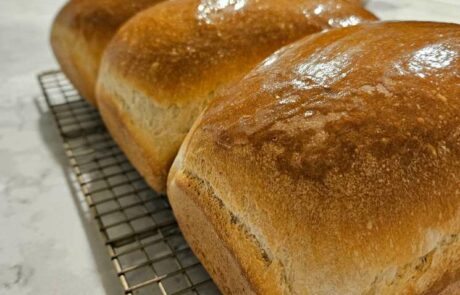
(422, 266)
(234, 219)
(258, 268)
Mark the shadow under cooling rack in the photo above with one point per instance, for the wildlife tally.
(144, 242)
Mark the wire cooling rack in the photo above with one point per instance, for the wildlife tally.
(144, 242)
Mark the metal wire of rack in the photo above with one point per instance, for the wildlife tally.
(146, 247)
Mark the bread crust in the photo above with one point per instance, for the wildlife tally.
(168, 60)
(342, 159)
(81, 31)
(123, 135)
(204, 222)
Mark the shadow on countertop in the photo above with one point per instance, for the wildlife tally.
(51, 137)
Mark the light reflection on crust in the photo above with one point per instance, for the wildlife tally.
(431, 58)
(208, 10)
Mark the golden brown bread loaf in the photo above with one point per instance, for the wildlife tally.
(80, 33)
(165, 64)
(332, 168)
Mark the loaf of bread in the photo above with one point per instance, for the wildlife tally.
(332, 168)
(80, 33)
(164, 65)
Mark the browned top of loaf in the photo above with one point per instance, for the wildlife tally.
(183, 49)
(341, 152)
(81, 32)
(97, 19)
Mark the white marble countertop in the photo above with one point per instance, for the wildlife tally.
(48, 245)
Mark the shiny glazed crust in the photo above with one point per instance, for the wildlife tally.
(80, 33)
(338, 158)
(164, 65)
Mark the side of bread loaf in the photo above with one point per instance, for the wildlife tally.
(164, 65)
(80, 33)
(332, 168)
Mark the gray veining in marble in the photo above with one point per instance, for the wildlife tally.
(48, 245)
